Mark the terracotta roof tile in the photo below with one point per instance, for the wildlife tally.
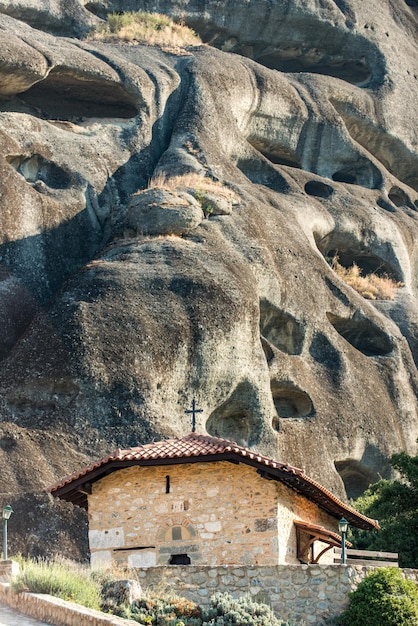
(195, 446)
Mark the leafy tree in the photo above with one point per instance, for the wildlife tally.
(382, 598)
(395, 504)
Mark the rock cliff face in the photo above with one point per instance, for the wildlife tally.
(287, 139)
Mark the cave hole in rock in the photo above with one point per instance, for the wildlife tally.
(355, 71)
(398, 197)
(318, 189)
(236, 419)
(412, 3)
(386, 205)
(65, 96)
(344, 177)
(362, 334)
(277, 154)
(36, 167)
(334, 246)
(280, 329)
(290, 401)
(358, 475)
(355, 476)
(8, 443)
(363, 173)
(367, 262)
(260, 172)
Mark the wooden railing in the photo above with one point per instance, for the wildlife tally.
(367, 557)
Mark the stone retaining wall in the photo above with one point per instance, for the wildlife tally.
(56, 611)
(303, 594)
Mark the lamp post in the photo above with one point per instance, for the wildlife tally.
(7, 511)
(343, 527)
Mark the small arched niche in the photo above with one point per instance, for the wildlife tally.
(290, 401)
(280, 329)
(362, 334)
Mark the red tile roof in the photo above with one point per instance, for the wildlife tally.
(194, 448)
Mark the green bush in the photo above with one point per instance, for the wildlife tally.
(61, 579)
(244, 611)
(384, 598)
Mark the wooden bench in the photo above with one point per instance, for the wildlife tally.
(367, 557)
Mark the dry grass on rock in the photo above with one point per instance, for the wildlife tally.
(152, 29)
(191, 181)
(213, 197)
(371, 286)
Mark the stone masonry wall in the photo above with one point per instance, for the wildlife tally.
(217, 513)
(303, 594)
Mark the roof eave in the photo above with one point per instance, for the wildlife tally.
(69, 489)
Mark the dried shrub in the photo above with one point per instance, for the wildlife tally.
(190, 180)
(145, 28)
(165, 609)
(371, 286)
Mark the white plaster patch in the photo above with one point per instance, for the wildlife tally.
(101, 559)
(274, 545)
(110, 538)
(142, 558)
(177, 507)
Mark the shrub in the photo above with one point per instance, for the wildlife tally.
(145, 28)
(244, 611)
(372, 286)
(383, 598)
(58, 578)
(165, 610)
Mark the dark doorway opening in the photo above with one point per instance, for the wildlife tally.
(180, 559)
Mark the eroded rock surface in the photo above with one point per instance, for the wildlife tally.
(120, 304)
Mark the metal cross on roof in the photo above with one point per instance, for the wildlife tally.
(193, 411)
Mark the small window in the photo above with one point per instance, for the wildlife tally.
(180, 559)
(176, 533)
(167, 484)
